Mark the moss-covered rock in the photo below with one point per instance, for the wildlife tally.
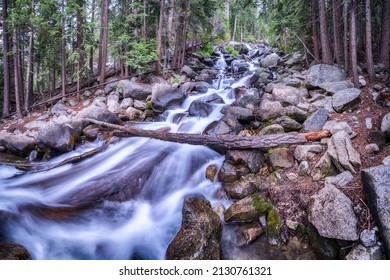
(273, 226)
(248, 209)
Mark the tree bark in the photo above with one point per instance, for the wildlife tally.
(80, 44)
(234, 28)
(325, 47)
(103, 40)
(337, 12)
(28, 99)
(6, 61)
(354, 64)
(63, 52)
(91, 51)
(369, 56)
(345, 20)
(160, 37)
(180, 44)
(384, 52)
(18, 90)
(170, 20)
(144, 34)
(316, 48)
(220, 143)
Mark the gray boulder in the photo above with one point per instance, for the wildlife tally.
(271, 60)
(279, 158)
(272, 129)
(212, 99)
(316, 121)
(111, 86)
(342, 153)
(331, 212)
(340, 180)
(295, 113)
(19, 144)
(323, 73)
(252, 159)
(248, 209)
(13, 251)
(200, 87)
(241, 114)
(164, 96)
(359, 252)
(57, 137)
(385, 126)
(306, 152)
(376, 183)
(134, 90)
(287, 95)
(240, 189)
(323, 168)
(334, 87)
(200, 233)
(345, 99)
(99, 114)
(200, 109)
(288, 124)
(269, 110)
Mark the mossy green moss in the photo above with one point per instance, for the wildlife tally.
(273, 226)
(261, 205)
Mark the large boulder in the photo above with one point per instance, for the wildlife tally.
(271, 60)
(252, 159)
(212, 99)
(200, 233)
(345, 99)
(200, 87)
(331, 212)
(342, 153)
(99, 114)
(288, 124)
(287, 95)
(376, 183)
(200, 109)
(164, 96)
(334, 87)
(248, 209)
(307, 152)
(316, 121)
(269, 109)
(241, 114)
(240, 189)
(57, 137)
(385, 126)
(19, 144)
(323, 73)
(134, 90)
(279, 158)
(13, 251)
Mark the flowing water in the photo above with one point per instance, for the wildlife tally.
(124, 202)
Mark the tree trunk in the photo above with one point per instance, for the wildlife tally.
(6, 61)
(103, 40)
(80, 44)
(219, 143)
(336, 18)
(384, 52)
(144, 34)
(234, 28)
(345, 20)
(170, 20)
(227, 10)
(369, 57)
(316, 47)
(354, 64)
(18, 90)
(325, 47)
(28, 99)
(160, 37)
(91, 51)
(63, 52)
(180, 43)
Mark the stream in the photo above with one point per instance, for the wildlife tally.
(123, 203)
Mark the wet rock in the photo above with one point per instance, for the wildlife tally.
(13, 251)
(239, 92)
(385, 126)
(133, 113)
(273, 226)
(287, 95)
(252, 159)
(295, 113)
(323, 168)
(360, 252)
(240, 189)
(250, 102)
(241, 114)
(99, 114)
(211, 172)
(113, 104)
(272, 129)
(342, 153)
(270, 110)
(271, 60)
(306, 152)
(58, 137)
(331, 212)
(186, 70)
(279, 158)
(200, 233)
(345, 99)
(134, 90)
(377, 137)
(250, 232)
(111, 86)
(228, 173)
(248, 209)
(340, 180)
(212, 99)
(323, 73)
(126, 103)
(92, 131)
(376, 183)
(368, 237)
(334, 87)
(200, 87)
(19, 144)
(164, 96)
(288, 124)
(316, 121)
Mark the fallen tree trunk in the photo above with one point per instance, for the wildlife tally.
(220, 143)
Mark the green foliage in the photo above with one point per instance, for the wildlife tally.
(140, 54)
(206, 50)
(231, 50)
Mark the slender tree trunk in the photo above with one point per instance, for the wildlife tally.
(91, 51)
(63, 53)
(384, 52)
(144, 35)
(345, 20)
(160, 37)
(6, 62)
(30, 73)
(234, 28)
(103, 39)
(18, 90)
(369, 57)
(227, 10)
(325, 46)
(336, 15)
(180, 37)
(354, 64)
(170, 20)
(80, 44)
(316, 47)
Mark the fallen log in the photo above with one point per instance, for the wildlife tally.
(317, 135)
(220, 143)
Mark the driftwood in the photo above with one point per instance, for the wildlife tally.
(317, 135)
(219, 143)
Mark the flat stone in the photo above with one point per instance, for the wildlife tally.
(323, 168)
(307, 152)
(334, 87)
(288, 124)
(376, 183)
(272, 129)
(340, 180)
(252, 159)
(345, 99)
(287, 95)
(280, 158)
(323, 73)
(316, 121)
(331, 212)
(334, 127)
(270, 110)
